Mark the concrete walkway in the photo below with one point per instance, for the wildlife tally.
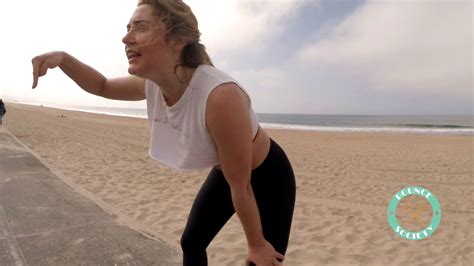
(43, 221)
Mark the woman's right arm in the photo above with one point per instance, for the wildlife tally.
(129, 88)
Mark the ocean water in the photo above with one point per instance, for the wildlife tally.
(418, 124)
(423, 124)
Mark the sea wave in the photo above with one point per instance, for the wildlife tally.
(431, 126)
(404, 130)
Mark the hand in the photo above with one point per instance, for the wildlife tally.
(264, 255)
(41, 63)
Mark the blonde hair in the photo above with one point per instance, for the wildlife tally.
(180, 22)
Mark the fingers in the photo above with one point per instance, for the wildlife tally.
(35, 72)
(277, 263)
(40, 67)
(280, 257)
(44, 68)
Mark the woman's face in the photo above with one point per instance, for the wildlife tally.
(145, 45)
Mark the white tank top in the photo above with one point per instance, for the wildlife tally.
(179, 137)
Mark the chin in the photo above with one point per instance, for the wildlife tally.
(132, 70)
(140, 71)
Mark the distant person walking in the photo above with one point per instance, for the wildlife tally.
(3, 111)
(199, 117)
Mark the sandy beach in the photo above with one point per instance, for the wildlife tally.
(345, 182)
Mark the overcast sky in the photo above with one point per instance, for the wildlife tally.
(292, 56)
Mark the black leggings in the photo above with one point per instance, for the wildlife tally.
(273, 184)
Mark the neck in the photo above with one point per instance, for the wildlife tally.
(171, 87)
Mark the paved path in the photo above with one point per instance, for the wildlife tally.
(43, 221)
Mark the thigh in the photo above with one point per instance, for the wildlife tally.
(273, 183)
(211, 209)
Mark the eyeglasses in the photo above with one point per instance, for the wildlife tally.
(140, 27)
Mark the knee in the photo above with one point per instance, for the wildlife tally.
(189, 243)
(186, 242)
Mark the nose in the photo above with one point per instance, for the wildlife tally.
(128, 38)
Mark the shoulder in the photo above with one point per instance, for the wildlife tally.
(209, 77)
(224, 87)
(227, 93)
(225, 101)
(150, 88)
(149, 84)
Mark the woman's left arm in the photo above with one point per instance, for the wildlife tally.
(228, 121)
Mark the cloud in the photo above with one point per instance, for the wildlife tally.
(381, 57)
(404, 46)
(284, 89)
(230, 26)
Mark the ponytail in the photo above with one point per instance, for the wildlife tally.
(194, 54)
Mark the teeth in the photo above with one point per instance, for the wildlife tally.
(132, 54)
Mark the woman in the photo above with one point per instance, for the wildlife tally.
(199, 118)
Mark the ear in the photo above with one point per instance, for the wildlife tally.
(177, 44)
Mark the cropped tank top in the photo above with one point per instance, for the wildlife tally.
(178, 134)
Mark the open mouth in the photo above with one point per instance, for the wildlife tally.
(132, 54)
